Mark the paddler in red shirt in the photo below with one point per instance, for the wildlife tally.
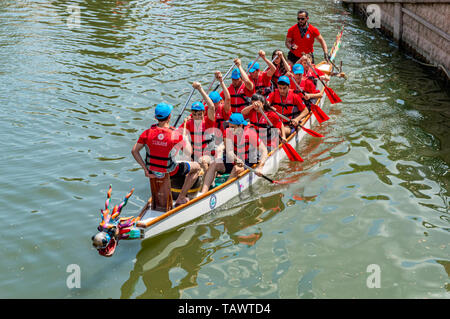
(262, 80)
(241, 88)
(300, 38)
(242, 145)
(288, 103)
(265, 120)
(162, 142)
(222, 106)
(307, 72)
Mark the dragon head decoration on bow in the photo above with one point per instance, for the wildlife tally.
(112, 228)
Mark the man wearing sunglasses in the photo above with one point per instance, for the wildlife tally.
(300, 39)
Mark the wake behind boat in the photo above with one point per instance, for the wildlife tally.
(154, 220)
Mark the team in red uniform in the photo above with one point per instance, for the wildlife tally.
(281, 65)
(306, 61)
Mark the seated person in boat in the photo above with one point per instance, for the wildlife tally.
(222, 106)
(288, 103)
(262, 80)
(266, 121)
(305, 85)
(281, 65)
(162, 142)
(199, 126)
(242, 145)
(241, 88)
(223, 111)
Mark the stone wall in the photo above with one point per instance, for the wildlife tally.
(427, 40)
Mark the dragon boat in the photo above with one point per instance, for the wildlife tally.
(152, 222)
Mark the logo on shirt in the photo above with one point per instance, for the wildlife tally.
(307, 36)
(161, 136)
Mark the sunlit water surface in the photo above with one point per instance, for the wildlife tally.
(74, 100)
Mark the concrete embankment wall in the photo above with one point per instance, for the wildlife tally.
(420, 27)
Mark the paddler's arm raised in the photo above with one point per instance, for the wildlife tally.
(272, 67)
(226, 93)
(211, 109)
(287, 67)
(137, 156)
(323, 44)
(248, 83)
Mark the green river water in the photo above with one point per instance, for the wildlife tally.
(75, 97)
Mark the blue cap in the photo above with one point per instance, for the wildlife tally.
(237, 119)
(163, 110)
(284, 79)
(197, 106)
(254, 68)
(236, 74)
(297, 69)
(215, 96)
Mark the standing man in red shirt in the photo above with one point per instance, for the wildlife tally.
(300, 38)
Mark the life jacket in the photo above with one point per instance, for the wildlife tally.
(308, 86)
(312, 76)
(286, 107)
(242, 143)
(158, 153)
(277, 74)
(238, 98)
(260, 86)
(199, 140)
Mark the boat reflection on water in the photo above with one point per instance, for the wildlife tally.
(183, 252)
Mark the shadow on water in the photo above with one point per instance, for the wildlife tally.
(165, 268)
